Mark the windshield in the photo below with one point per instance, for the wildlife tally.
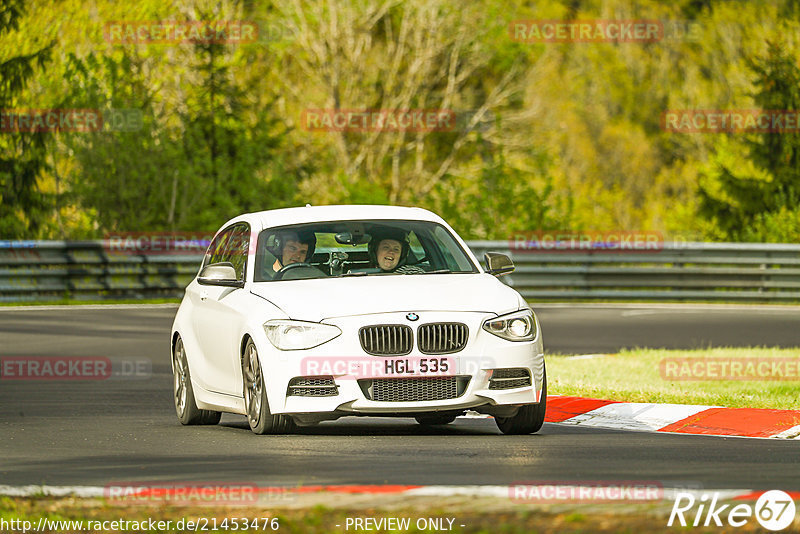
(358, 248)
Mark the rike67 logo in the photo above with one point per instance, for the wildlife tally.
(774, 510)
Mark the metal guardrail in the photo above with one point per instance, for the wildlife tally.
(89, 270)
(687, 271)
(54, 270)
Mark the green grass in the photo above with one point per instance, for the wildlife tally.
(635, 376)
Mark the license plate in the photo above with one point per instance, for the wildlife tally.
(419, 366)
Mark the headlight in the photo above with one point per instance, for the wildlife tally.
(286, 334)
(517, 326)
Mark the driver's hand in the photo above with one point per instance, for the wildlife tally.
(290, 264)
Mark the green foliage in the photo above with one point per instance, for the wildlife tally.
(189, 170)
(22, 154)
(782, 226)
(759, 202)
(550, 136)
(478, 206)
(119, 174)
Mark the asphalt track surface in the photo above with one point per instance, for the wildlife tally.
(125, 431)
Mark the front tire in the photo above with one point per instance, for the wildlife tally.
(183, 394)
(529, 418)
(259, 417)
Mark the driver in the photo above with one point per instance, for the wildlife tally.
(388, 250)
(291, 247)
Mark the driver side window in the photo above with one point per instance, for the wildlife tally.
(217, 247)
(236, 249)
(230, 246)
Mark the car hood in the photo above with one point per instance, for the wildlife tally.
(319, 299)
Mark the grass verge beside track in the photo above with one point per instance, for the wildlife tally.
(638, 376)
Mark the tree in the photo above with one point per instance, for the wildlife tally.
(229, 138)
(504, 200)
(206, 149)
(22, 153)
(393, 56)
(762, 204)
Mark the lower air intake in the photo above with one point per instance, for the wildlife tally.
(510, 378)
(312, 386)
(414, 389)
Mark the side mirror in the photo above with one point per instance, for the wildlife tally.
(498, 264)
(219, 274)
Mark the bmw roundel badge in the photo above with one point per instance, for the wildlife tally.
(412, 316)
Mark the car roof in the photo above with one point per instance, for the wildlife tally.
(284, 216)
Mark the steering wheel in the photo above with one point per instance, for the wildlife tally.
(286, 268)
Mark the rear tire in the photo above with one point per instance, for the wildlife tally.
(261, 420)
(435, 419)
(183, 394)
(529, 418)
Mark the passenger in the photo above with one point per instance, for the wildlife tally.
(291, 247)
(388, 250)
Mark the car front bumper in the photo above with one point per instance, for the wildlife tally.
(473, 367)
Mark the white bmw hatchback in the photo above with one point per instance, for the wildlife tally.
(301, 315)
